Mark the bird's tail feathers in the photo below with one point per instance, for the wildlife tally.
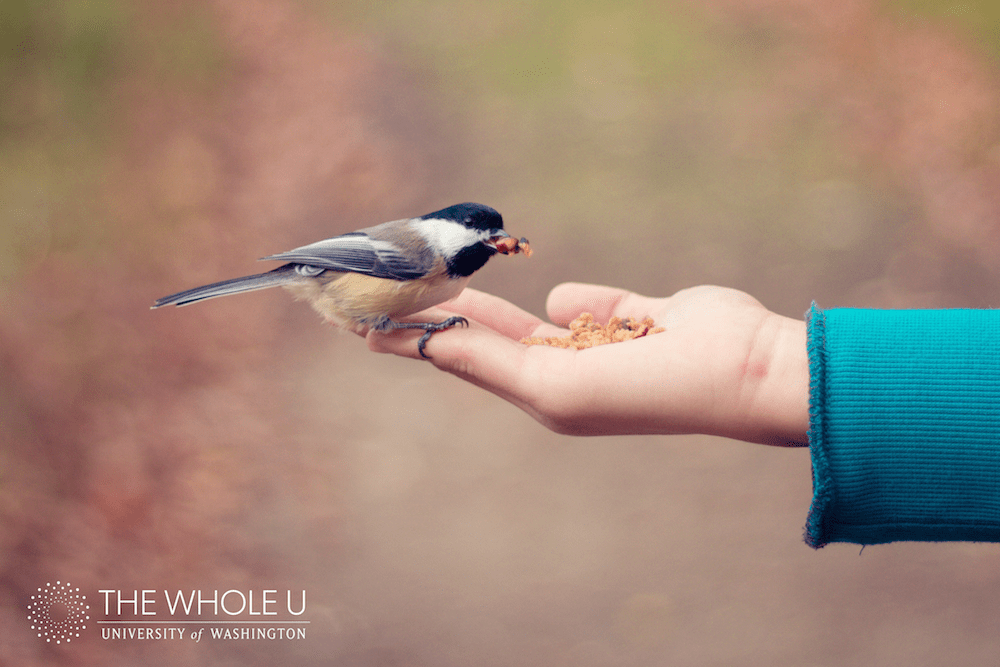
(280, 276)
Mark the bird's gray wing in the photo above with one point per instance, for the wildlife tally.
(360, 253)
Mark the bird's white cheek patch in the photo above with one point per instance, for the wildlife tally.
(447, 236)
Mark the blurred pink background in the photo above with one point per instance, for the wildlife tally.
(844, 152)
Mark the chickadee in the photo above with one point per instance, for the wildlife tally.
(372, 277)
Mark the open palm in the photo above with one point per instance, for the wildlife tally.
(725, 365)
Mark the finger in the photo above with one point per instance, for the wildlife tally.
(403, 342)
(516, 373)
(476, 354)
(496, 313)
(568, 300)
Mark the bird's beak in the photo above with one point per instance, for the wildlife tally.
(506, 244)
(499, 240)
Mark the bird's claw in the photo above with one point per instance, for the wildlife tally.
(432, 327)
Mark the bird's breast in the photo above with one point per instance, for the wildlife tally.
(356, 300)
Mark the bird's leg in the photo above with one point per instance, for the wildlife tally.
(428, 327)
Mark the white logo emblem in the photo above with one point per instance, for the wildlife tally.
(58, 612)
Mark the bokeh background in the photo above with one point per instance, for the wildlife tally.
(846, 152)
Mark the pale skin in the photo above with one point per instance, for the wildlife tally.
(725, 365)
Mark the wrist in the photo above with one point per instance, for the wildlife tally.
(776, 378)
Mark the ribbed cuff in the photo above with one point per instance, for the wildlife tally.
(904, 425)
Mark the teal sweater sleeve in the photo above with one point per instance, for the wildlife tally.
(904, 425)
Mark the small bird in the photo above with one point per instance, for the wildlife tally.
(370, 278)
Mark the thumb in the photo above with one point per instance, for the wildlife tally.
(568, 300)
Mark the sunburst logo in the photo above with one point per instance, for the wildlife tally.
(58, 612)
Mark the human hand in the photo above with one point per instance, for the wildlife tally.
(725, 365)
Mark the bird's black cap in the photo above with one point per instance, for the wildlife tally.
(476, 216)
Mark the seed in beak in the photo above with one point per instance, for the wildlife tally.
(508, 245)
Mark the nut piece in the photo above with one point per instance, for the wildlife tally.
(586, 332)
(508, 245)
(523, 246)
